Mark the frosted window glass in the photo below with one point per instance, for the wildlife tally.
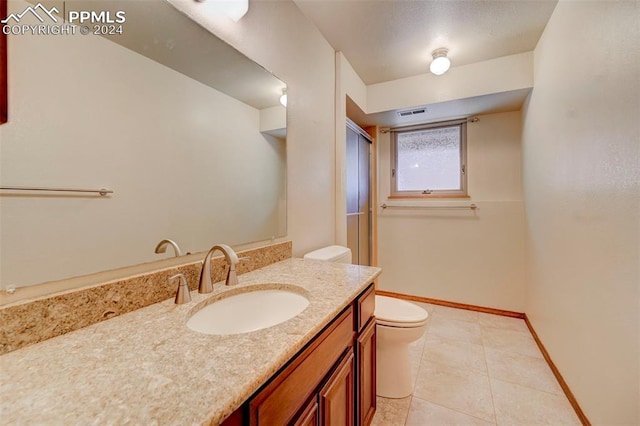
(429, 159)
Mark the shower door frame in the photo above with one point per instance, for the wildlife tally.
(372, 258)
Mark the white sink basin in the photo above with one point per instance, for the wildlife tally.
(250, 311)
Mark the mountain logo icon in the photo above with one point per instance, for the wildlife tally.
(38, 11)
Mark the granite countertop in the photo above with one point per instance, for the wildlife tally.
(147, 367)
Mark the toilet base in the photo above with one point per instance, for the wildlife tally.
(393, 370)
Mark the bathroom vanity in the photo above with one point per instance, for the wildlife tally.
(148, 367)
(330, 382)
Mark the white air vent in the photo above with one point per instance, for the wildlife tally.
(412, 112)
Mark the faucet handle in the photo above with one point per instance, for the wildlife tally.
(182, 294)
(232, 277)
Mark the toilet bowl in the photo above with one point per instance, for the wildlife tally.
(398, 323)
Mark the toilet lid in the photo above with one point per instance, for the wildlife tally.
(399, 313)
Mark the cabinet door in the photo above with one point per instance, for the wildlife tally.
(288, 391)
(310, 415)
(366, 353)
(336, 396)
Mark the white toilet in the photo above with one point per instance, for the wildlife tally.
(398, 323)
(336, 254)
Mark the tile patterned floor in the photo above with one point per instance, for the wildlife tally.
(472, 368)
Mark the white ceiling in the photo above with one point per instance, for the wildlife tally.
(390, 39)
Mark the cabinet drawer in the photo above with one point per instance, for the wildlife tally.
(281, 399)
(365, 307)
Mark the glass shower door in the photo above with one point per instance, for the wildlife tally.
(358, 196)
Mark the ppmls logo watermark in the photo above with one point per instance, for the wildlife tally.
(83, 21)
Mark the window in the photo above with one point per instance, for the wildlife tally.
(429, 160)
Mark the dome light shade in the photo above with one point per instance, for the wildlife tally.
(234, 9)
(440, 63)
(283, 98)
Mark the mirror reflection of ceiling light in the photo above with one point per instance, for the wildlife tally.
(234, 9)
(283, 98)
(440, 63)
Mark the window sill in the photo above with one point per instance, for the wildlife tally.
(428, 196)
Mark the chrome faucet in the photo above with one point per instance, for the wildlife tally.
(162, 247)
(231, 257)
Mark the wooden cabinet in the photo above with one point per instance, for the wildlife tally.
(337, 396)
(329, 382)
(365, 306)
(365, 357)
(283, 397)
(310, 415)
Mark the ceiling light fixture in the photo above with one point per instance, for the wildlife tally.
(283, 98)
(440, 63)
(234, 9)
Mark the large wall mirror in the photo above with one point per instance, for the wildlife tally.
(187, 132)
(3, 67)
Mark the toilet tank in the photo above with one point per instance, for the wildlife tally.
(338, 254)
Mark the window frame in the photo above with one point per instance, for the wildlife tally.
(433, 193)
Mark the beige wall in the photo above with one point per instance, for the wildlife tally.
(279, 37)
(457, 255)
(581, 142)
(348, 83)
